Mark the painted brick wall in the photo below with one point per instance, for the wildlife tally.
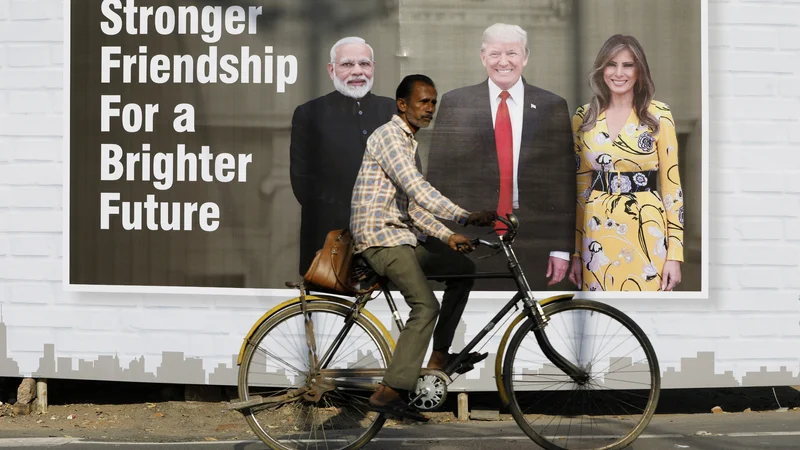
(752, 318)
(31, 147)
(754, 63)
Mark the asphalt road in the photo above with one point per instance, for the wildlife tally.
(738, 431)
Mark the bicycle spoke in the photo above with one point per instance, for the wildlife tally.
(348, 354)
(324, 436)
(339, 417)
(299, 352)
(281, 360)
(639, 361)
(557, 411)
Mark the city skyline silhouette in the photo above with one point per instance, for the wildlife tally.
(175, 367)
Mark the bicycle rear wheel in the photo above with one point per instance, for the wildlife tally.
(608, 408)
(276, 373)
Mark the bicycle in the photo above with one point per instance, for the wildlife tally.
(305, 375)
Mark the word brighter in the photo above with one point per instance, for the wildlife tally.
(164, 170)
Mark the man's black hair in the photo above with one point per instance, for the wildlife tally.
(406, 86)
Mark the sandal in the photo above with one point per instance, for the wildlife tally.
(466, 365)
(398, 410)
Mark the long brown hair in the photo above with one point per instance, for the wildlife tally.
(643, 90)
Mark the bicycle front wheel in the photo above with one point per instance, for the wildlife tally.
(298, 408)
(611, 402)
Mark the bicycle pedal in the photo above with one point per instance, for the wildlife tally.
(464, 368)
(419, 396)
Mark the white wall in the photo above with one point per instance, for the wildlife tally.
(751, 319)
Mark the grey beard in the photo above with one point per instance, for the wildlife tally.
(355, 92)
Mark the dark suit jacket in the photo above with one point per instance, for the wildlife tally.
(463, 165)
(329, 135)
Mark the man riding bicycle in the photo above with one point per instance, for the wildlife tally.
(394, 227)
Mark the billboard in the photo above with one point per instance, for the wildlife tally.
(209, 148)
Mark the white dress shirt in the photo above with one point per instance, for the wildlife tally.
(515, 102)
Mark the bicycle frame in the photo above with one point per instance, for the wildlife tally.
(327, 378)
(524, 294)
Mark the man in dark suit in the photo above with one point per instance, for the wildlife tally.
(506, 142)
(329, 135)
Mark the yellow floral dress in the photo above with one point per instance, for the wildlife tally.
(630, 202)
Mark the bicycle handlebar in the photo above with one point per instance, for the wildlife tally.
(511, 223)
(479, 241)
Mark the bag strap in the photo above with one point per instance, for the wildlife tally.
(347, 285)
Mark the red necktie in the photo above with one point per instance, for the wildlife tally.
(505, 159)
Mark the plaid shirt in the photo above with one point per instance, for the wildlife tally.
(392, 203)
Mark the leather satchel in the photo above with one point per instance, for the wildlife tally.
(331, 268)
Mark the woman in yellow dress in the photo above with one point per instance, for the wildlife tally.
(630, 202)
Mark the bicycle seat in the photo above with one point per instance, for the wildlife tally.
(361, 270)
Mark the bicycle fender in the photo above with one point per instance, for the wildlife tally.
(501, 349)
(313, 298)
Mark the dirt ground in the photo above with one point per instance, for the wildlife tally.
(122, 412)
(170, 421)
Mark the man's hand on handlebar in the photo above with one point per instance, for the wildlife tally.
(460, 243)
(482, 218)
